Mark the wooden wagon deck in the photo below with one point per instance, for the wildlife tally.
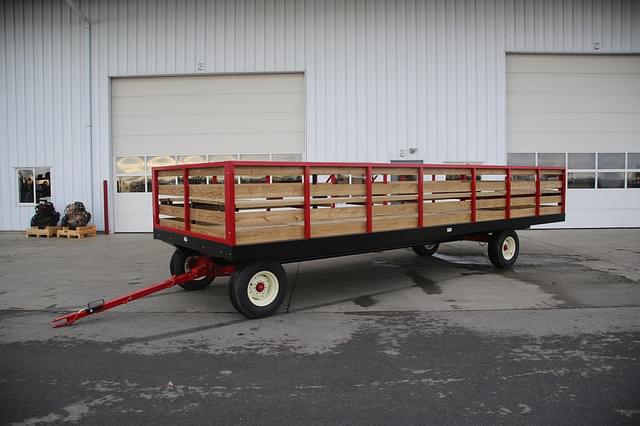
(276, 202)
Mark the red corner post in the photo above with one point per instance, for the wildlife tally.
(563, 198)
(154, 196)
(538, 192)
(420, 197)
(187, 209)
(230, 203)
(369, 187)
(474, 210)
(307, 202)
(507, 200)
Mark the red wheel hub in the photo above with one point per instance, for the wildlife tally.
(260, 287)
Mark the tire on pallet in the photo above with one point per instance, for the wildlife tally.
(181, 262)
(503, 248)
(257, 289)
(428, 249)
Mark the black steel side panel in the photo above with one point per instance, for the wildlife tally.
(318, 248)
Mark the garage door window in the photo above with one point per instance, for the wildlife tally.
(611, 170)
(633, 170)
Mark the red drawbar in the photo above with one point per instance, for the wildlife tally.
(507, 200)
(369, 186)
(474, 206)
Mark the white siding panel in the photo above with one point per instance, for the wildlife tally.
(380, 75)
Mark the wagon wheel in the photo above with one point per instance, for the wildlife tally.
(181, 262)
(257, 289)
(428, 249)
(503, 249)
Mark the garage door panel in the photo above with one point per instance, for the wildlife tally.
(208, 124)
(574, 102)
(574, 64)
(208, 104)
(567, 122)
(215, 84)
(573, 83)
(569, 141)
(292, 142)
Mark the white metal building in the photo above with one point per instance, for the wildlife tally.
(103, 90)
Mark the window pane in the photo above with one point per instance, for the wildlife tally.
(130, 165)
(582, 161)
(520, 159)
(222, 157)
(611, 180)
(551, 159)
(25, 185)
(160, 160)
(633, 160)
(192, 159)
(130, 183)
(581, 180)
(633, 180)
(254, 157)
(286, 157)
(611, 161)
(43, 184)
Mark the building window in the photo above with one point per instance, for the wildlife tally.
(521, 159)
(582, 170)
(551, 159)
(633, 170)
(130, 173)
(34, 185)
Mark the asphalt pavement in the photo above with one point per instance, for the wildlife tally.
(380, 338)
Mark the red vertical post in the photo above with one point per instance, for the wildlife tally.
(155, 197)
(538, 192)
(474, 211)
(385, 179)
(420, 197)
(507, 199)
(105, 204)
(267, 180)
(230, 203)
(333, 182)
(563, 198)
(187, 210)
(307, 202)
(369, 186)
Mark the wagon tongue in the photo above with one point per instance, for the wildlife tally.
(203, 267)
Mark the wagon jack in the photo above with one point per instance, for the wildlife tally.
(203, 267)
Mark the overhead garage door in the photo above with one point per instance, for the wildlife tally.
(583, 112)
(172, 120)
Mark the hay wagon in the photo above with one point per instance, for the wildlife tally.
(245, 219)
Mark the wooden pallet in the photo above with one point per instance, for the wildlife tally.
(49, 231)
(80, 232)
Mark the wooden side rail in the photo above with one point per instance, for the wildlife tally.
(258, 202)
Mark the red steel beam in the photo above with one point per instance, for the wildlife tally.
(230, 203)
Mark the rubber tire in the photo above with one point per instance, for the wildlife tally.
(423, 250)
(176, 266)
(240, 281)
(494, 249)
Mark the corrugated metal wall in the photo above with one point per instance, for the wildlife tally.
(381, 75)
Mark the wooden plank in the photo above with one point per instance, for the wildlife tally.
(551, 172)
(391, 223)
(206, 191)
(326, 229)
(395, 209)
(527, 185)
(447, 186)
(447, 206)
(320, 170)
(483, 215)
(324, 189)
(174, 211)
(550, 184)
(550, 210)
(530, 211)
(172, 223)
(445, 171)
(432, 219)
(171, 190)
(318, 215)
(263, 190)
(252, 235)
(546, 199)
(213, 230)
(207, 171)
(382, 198)
(493, 202)
(209, 216)
(336, 200)
(268, 171)
(395, 188)
(523, 201)
(266, 218)
(488, 185)
(522, 172)
(261, 204)
(170, 173)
